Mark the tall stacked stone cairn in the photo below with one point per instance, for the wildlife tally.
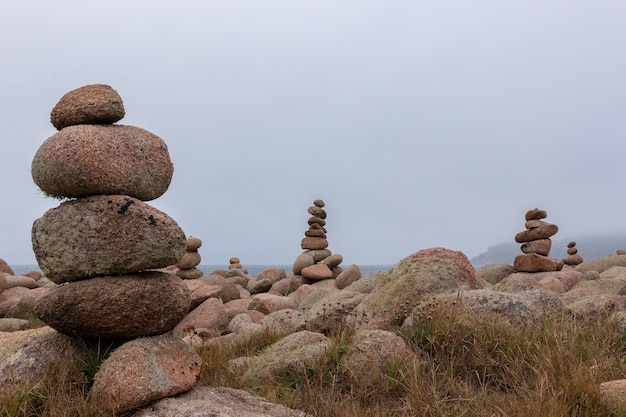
(536, 244)
(317, 262)
(104, 242)
(572, 258)
(187, 264)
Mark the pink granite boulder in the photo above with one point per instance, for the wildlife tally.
(145, 370)
(88, 160)
(90, 104)
(118, 307)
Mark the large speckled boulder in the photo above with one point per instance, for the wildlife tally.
(145, 370)
(119, 307)
(90, 104)
(427, 272)
(88, 160)
(105, 235)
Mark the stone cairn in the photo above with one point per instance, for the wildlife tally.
(536, 244)
(317, 262)
(572, 258)
(105, 243)
(187, 264)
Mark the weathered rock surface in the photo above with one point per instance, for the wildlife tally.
(223, 402)
(90, 104)
(145, 370)
(429, 271)
(30, 358)
(287, 357)
(103, 235)
(117, 307)
(4, 267)
(85, 160)
(533, 262)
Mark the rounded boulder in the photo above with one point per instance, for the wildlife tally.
(86, 160)
(104, 235)
(90, 104)
(117, 307)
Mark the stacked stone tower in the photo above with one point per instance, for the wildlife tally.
(572, 258)
(104, 242)
(187, 264)
(536, 244)
(317, 262)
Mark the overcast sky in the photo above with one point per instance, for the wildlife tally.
(419, 123)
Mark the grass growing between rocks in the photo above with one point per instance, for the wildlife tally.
(468, 366)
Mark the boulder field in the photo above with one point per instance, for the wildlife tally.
(223, 309)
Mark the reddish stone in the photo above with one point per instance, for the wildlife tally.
(90, 104)
(86, 160)
(572, 251)
(317, 272)
(531, 262)
(193, 244)
(317, 212)
(536, 214)
(315, 233)
(539, 246)
(314, 243)
(116, 307)
(544, 231)
(316, 220)
(573, 260)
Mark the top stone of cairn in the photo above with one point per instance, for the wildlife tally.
(90, 104)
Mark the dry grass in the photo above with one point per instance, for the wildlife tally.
(469, 366)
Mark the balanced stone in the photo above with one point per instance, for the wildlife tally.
(543, 231)
(117, 307)
(532, 262)
(104, 235)
(572, 258)
(540, 246)
(187, 264)
(314, 243)
(317, 272)
(316, 262)
(536, 244)
(536, 214)
(90, 104)
(86, 160)
(317, 212)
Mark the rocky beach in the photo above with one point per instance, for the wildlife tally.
(117, 272)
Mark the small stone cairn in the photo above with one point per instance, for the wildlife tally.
(104, 242)
(572, 258)
(536, 244)
(317, 262)
(187, 264)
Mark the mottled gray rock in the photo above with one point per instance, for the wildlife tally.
(104, 235)
(223, 402)
(287, 358)
(427, 272)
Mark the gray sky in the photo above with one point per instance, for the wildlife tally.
(420, 124)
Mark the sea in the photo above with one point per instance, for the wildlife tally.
(253, 270)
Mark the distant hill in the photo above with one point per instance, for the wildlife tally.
(589, 247)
